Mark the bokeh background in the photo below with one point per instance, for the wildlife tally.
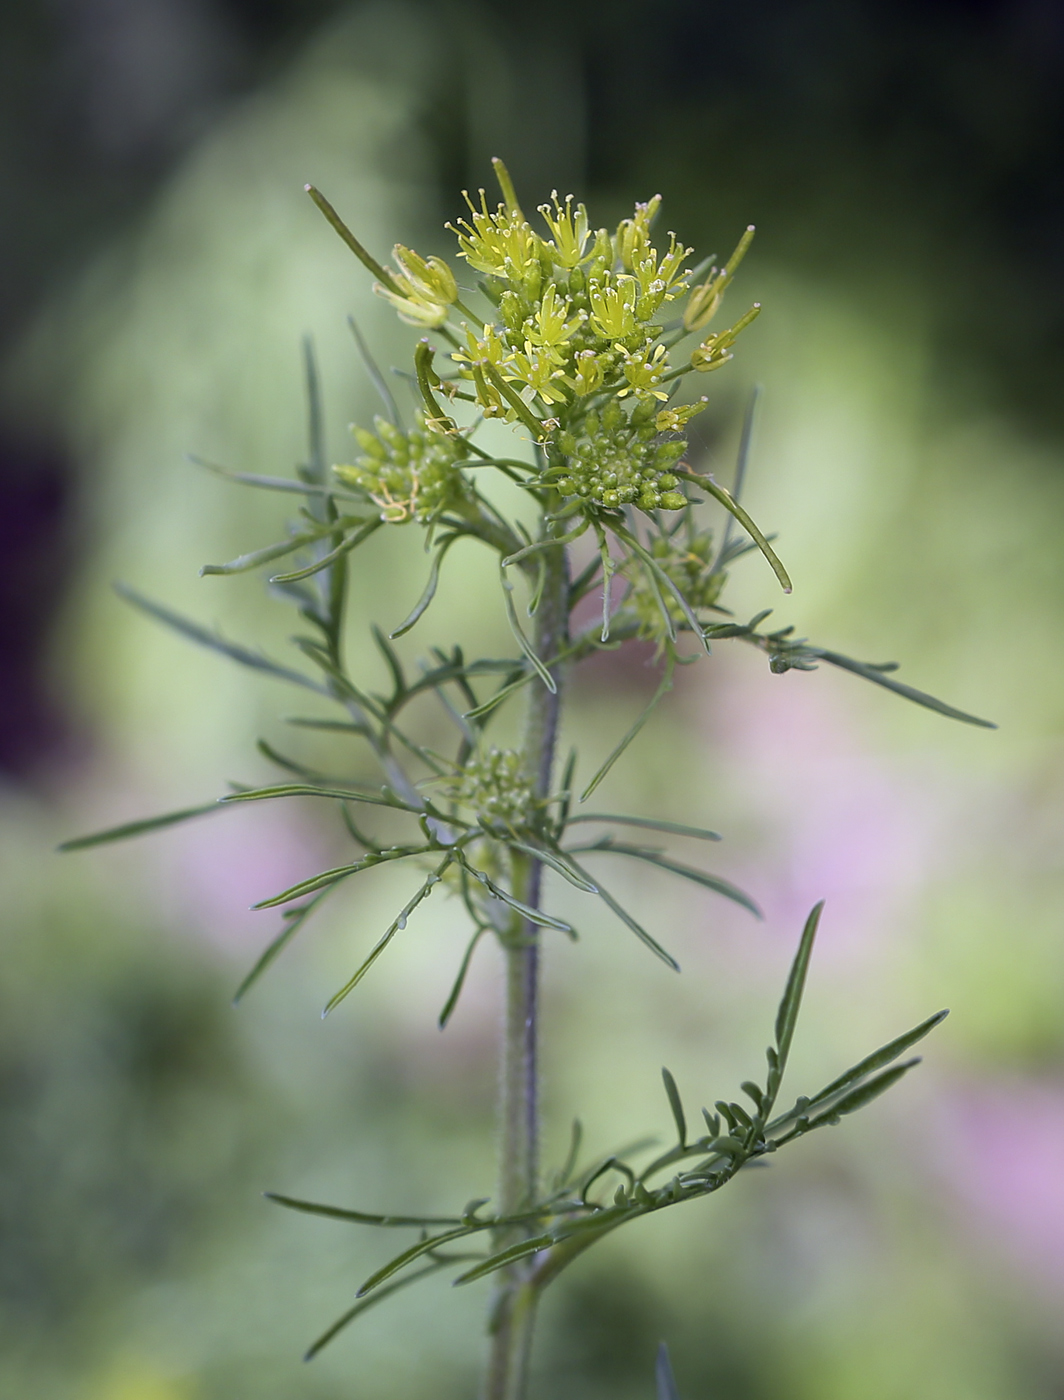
(159, 265)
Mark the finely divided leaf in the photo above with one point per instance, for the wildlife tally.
(676, 1105)
(787, 1017)
(647, 823)
(877, 674)
(361, 1217)
(675, 867)
(205, 638)
(879, 1058)
(138, 828)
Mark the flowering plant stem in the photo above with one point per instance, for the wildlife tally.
(513, 1315)
(573, 349)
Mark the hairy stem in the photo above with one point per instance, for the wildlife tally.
(514, 1304)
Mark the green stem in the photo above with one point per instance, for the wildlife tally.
(513, 1311)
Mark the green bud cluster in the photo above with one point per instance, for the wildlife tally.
(615, 460)
(495, 787)
(410, 476)
(689, 564)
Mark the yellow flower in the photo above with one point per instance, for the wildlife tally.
(537, 368)
(589, 372)
(672, 420)
(422, 290)
(714, 351)
(705, 298)
(643, 372)
(412, 306)
(501, 244)
(431, 277)
(633, 235)
(613, 307)
(570, 230)
(549, 328)
(487, 347)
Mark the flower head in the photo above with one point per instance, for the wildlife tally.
(410, 476)
(690, 564)
(495, 787)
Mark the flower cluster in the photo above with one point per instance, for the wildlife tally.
(576, 339)
(410, 476)
(689, 563)
(494, 786)
(575, 310)
(617, 459)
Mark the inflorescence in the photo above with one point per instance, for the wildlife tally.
(574, 345)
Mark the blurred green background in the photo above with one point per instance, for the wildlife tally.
(160, 264)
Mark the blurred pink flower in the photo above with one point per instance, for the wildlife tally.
(1000, 1151)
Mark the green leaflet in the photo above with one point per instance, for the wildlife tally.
(734, 508)
(459, 981)
(391, 410)
(442, 1261)
(505, 1257)
(534, 916)
(421, 606)
(648, 823)
(676, 1105)
(787, 1016)
(663, 688)
(294, 921)
(522, 641)
(345, 546)
(626, 918)
(663, 1377)
(245, 562)
(244, 656)
(138, 828)
(675, 867)
(397, 924)
(876, 675)
(361, 1217)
